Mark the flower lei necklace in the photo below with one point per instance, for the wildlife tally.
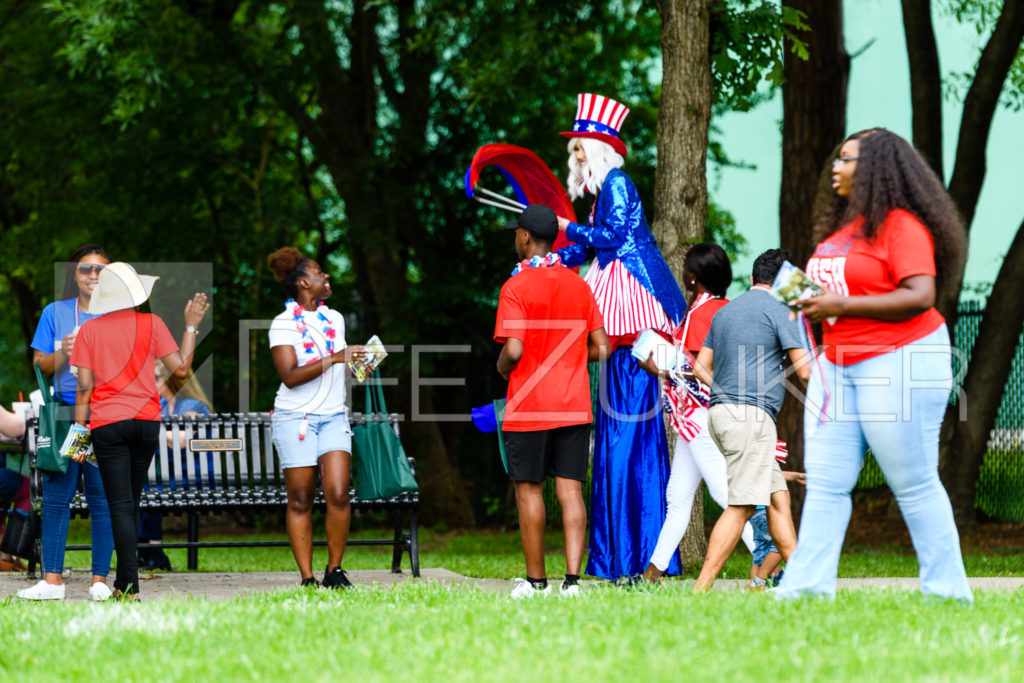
(551, 259)
(309, 345)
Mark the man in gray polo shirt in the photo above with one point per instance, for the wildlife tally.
(742, 360)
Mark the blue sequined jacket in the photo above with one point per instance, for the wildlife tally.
(620, 231)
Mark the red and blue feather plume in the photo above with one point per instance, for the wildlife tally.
(530, 178)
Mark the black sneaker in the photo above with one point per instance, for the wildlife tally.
(157, 563)
(335, 578)
(311, 582)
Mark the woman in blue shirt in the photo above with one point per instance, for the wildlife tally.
(52, 344)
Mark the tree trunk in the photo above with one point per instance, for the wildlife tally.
(926, 107)
(965, 441)
(980, 105)
(975, 124)
(813, 123)
(925, 81)
(813, 119)
(681, 190)
(29, 305)
(27, 300)
(963, 444)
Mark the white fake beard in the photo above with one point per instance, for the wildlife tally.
(601, 158)
(581, 179)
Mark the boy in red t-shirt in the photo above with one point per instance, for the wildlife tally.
(550, 326)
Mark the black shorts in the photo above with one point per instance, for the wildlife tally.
(562, 452)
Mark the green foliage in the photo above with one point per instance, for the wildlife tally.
(219, 131)
(983, 15)
(747, 42)
(104, 28)
(721, 229)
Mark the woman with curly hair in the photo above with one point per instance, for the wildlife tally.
(310, 421)
(889, 242)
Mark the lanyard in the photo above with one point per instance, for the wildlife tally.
(816, 357)
(701, 299)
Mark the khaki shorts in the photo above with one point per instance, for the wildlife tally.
(746, 436)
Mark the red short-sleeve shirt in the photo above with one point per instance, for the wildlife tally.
(848, 264)
(552, 311)
(120, 349)
(697, 324)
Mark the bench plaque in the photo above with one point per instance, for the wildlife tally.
(195, 445)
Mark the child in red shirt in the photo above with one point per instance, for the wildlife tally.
(550, 326)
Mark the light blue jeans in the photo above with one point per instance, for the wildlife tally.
(893, 404)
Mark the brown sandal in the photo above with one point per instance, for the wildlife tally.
(9, 563)
(124, 597)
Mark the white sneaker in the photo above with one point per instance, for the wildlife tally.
(524, 590)
(98, 592)
(573, 591)
(42, 591)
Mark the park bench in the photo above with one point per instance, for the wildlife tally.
(225, 463)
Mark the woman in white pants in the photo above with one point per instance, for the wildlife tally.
(707, 274)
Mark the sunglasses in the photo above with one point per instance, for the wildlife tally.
(90, 268)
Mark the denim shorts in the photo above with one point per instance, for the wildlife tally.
(763, 543)
(324, 433)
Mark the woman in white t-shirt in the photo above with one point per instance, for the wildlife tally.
(310, 421)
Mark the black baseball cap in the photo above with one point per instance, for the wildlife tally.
(538, 220)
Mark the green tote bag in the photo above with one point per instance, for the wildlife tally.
(55, 420)
(382, 470)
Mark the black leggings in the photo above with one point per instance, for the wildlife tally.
(124, 451)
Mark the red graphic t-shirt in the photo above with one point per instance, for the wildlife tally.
(552, 311)
(848, 264)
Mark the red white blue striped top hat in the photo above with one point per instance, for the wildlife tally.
(599, 117)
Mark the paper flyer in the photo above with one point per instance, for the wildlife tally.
(650, 342)
(78, 440)
(365, 366)
(793, 284)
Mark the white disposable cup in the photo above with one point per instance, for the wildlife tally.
(22, 409)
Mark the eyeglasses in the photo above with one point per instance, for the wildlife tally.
(838, 163)
(90, 268)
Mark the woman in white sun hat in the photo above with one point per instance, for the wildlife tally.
(117, 396)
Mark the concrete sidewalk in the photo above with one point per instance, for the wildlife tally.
(218, 586)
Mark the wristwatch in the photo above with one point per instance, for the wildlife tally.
(191, 329)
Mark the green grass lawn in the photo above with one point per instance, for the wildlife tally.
(498, 555)
(425, 631)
